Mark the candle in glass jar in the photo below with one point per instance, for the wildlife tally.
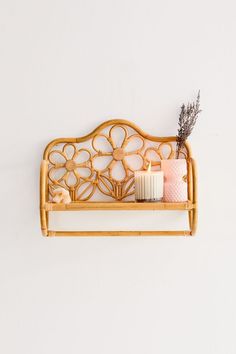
(149, 185)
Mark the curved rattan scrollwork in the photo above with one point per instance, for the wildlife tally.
(104, 161)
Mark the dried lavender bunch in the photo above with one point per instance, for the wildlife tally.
(187, 119)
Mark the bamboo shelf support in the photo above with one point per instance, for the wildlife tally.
(83, 191)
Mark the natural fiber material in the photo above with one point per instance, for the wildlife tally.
(77, 163)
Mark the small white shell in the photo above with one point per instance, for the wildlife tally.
(61, 195)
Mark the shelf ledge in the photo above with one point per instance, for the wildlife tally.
(76, 206)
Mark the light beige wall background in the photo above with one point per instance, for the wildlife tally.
(65, 67)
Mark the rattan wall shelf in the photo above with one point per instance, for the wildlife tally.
(87, 171)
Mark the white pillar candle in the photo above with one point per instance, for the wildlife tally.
(149, 185)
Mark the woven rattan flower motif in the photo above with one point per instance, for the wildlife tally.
(69, 165)
(156, 154)
(118, 153)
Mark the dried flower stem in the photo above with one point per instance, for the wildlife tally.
(187, 119)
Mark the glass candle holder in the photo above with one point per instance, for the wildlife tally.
(149, 186)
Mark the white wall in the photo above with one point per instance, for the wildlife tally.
(65, 67)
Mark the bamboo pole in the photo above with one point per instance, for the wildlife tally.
(43, 193)
(119, 233)
(190, 190)
(195, 210)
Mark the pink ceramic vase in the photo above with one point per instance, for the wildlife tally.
(175, 181)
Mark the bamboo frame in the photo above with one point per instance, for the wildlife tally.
(46, 206)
